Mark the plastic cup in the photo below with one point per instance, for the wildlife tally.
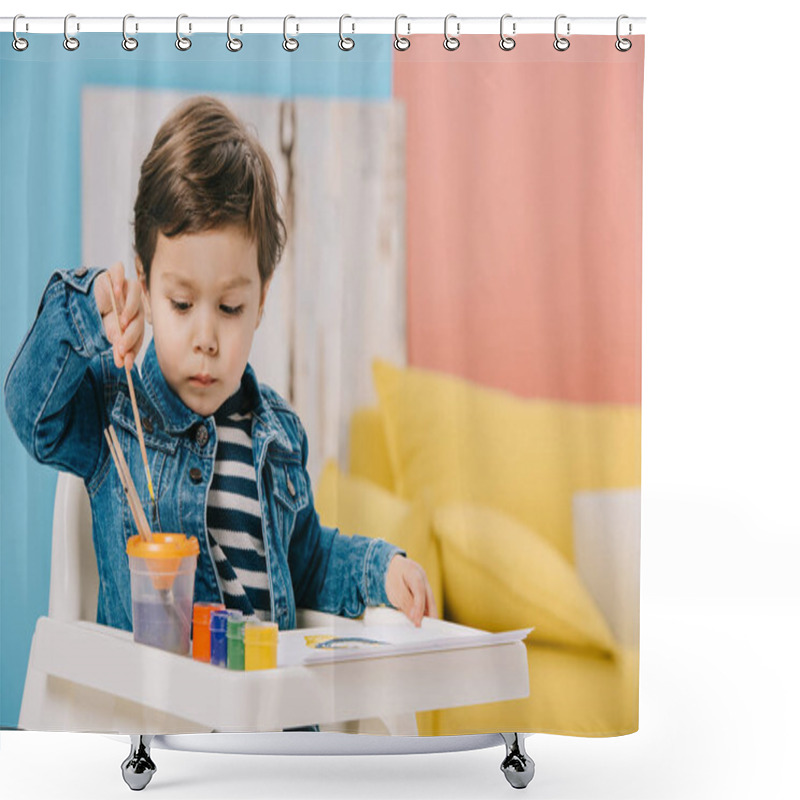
(162, 589)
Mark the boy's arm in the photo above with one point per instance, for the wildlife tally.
(53, 392)
(335, 573)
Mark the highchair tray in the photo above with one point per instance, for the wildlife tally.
(88, 677)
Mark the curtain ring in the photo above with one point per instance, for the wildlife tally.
(561, 44)
(623, 45)
(18, 43)
(181, 42)
(289, 43)
(128, 42)
(506, 42)
(345, 43)
(233, 44)
(400, 42)
(451, 42)
(70, 42)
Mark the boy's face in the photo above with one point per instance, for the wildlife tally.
(205, 303)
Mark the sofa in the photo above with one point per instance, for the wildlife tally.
(523, 513)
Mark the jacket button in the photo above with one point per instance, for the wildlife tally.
(201, 436)
(196, 474)
(80, 272)
(147, 424)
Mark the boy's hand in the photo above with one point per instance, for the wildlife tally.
(408, 589)
(128, 294)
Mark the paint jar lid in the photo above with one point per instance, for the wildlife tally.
(261, 633)
(201, 612)
(236, 627)
(219, 620)
(164, 545)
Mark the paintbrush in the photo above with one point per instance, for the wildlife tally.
(133, 398)
(139, 516)
(131, 495)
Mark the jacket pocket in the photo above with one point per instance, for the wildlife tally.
(158, 445)
(154, 436)
(290, 489)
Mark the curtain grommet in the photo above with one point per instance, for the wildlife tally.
(401, 43)
(507, 42)
(451, 43)
(289, 44)
(345, 42)
(129, 43)
(183, 43)
(561, 43)
(233, 44)
(71, 43)
(18, 43)
(623, 45)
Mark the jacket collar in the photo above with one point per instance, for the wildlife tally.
(178, 418)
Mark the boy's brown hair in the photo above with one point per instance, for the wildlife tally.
(204, 171)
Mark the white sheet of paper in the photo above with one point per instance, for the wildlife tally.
(377, 641)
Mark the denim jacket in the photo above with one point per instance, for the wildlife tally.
(63, 389)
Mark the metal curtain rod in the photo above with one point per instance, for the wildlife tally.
(386, 25)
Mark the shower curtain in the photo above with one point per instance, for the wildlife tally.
(455, 324)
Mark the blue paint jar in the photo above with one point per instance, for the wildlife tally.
(218, 632)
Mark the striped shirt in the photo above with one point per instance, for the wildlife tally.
(234, 513)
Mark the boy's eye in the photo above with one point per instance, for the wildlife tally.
(230, 310)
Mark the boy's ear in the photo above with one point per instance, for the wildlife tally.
(143, 283)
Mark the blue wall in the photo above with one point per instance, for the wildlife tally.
(40, 229)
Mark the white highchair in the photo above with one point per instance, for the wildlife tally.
(88, 677)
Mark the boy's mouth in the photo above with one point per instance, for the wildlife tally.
(202, 380)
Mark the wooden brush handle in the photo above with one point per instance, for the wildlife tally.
(139, 515)
(139, 433)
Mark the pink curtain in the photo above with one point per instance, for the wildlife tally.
(524, 185)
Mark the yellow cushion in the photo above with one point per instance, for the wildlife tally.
(354, 505)
(570, 693)
(463, 442)
(369, 456)
(499, 575)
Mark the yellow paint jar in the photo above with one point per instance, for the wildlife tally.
(260, 645)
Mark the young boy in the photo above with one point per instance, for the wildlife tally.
(227, 455)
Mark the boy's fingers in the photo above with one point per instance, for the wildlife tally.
(114, 278)
(111, 290)
(131, 303)
(431, 603)
(137, 345)
(134, 332)
(416, 585)
(118, 273)
(102, 293)
(129, 343)
(406, 601)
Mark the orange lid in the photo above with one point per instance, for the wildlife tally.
(164, 545)
(261, 633)
(201, 612)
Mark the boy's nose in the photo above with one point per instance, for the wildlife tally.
(205, 339)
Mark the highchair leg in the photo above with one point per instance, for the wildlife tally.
(138, 768)
(517, 766)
